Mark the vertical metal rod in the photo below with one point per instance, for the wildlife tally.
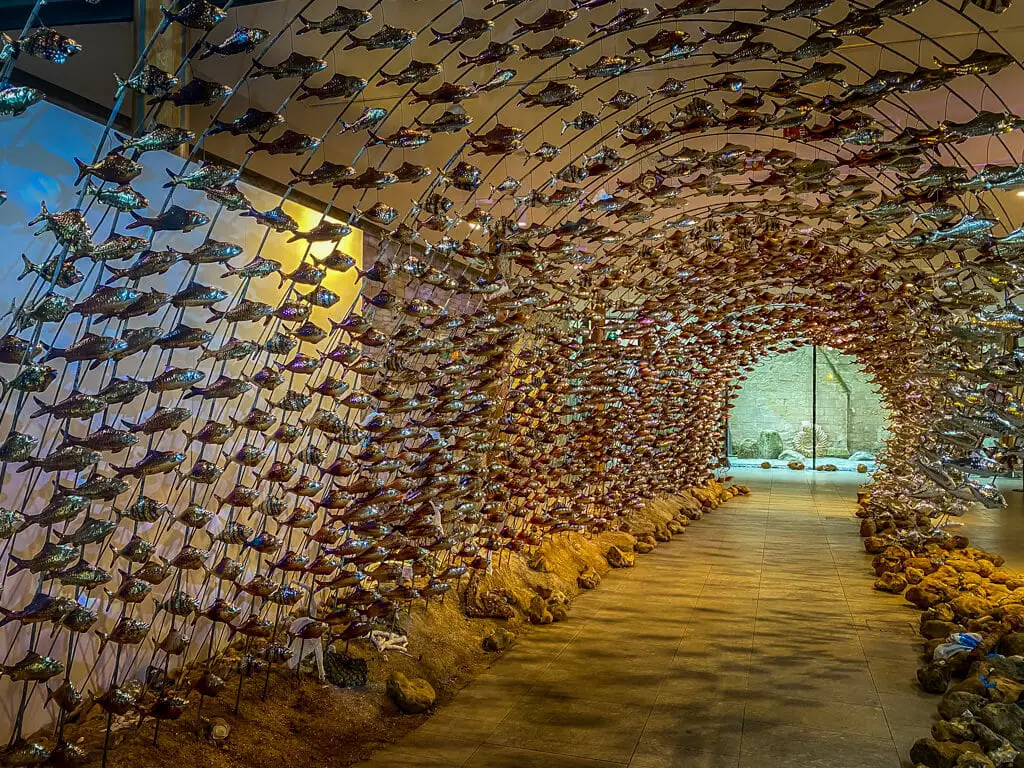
(814, 407)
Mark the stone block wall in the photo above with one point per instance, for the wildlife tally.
(776, 397)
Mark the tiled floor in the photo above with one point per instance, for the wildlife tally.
(755, 641)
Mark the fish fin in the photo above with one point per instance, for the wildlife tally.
(438, 36)
(633, 45)
(596, 29)
(19, 563)
(207, 53)
(254, 147)
(29, 267)
(140, 221)
(173, 182)
(83, 171)
(465, 60)
(354, 41)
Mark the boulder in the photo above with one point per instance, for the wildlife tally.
(791, 456)
(499, 640)
(644, 546)
(974, 760)
(797, 465)
(412, 696)
(769, 444)
(539, 613)
(766, 465)
(588, 578)
(618, 558)
(940, 754)
(1005, 720)
(1012, 644)
(891, 582)
(933, 678)
(862, 468)
(955, 703)
(747, 449)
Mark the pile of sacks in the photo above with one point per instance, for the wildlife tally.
(973, 623)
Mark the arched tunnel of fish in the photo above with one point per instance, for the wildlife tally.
(348, 318)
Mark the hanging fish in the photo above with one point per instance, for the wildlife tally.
(338, 87)
(342, 19)
(387, 37)
(288, 143)
(174, 219)
(46, 43)
(149, 81)
(415, 72)
(196, 14)
(295, 65)
(242, 40)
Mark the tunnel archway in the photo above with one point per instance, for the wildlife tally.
(560, 270)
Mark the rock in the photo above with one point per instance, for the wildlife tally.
(617, 558)
(1005, 720)
(1012, 644)
(345, 671)
(540, 564)
(769, 444)
(914, 575)
(797, 465)
(588, 578)
(891, 582)
(747, 449)
(791, 456)
(827, 468)
(499, 640)
(862, 456)
(559, 611)
(955, 703)
(933, 628)
(933, 678)
(644, 546)
(675, 527)
(766, 465)
(951, 730)
(875, 545)
(412, 696)
(940, 754)
(662, 534)
(862, 468)
(539, 613)
(971, 606)
(974, 760)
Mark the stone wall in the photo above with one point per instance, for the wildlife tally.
(776, 397)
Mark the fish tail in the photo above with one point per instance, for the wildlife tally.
(354, 41)
(633, 45)
(306, 93)
(575, 70)
(140, 221)
(528, 51)
(124, 140)
(596, 29)
(438, 36)
(43, 213)
(174, 179)
(168, 14)
(216, 314)
(704, 33)
(299, 175)
(219, 126)
(120, 82)
(255, 146)
(29, 267)
(719, 59)
(19, 564)
(466, 60)
(83, 171)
